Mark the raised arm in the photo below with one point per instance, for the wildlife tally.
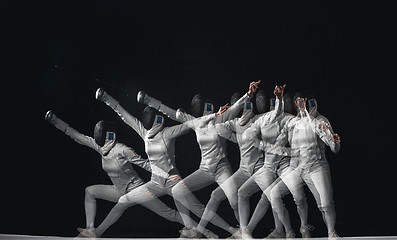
(73, 134)
(133, 122)
(279, 107)
(176, 131)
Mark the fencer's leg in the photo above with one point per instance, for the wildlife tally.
(90, 209)
(132, 198)
(244, 193)
(322, 183)
(329, 216)
(113, 216)
(157, 206)
(184, 198)
(301, 207)
(279, 208)
(289, 182)
(244, 210)
(229, 188)
(264, 178)
(105, 192)
(293, 182)
(224, 173)
(210, 210)
(259, 212)
(185, 214)
(279, 228)
(277, 223)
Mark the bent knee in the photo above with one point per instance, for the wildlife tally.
(89, 191)
(241, 193)
(267, 193)
(218, 194)
(326, 206)
(274, 195)
(179, 190)
(124, 200)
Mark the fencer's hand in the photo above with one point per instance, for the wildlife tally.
(222, 109)
(175, 177)
(253, 87)
(141, 97)
(99, 94)
(335, 137)
(279, 91)
(324, 126)
(49, 115)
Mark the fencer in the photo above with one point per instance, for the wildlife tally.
(251, 158)
(117, 160)
(160, 149)
(307, 136)
(265, 177)
(214, 165)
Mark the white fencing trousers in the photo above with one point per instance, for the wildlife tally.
(318, 181)
(261, 180)
(228, 190)
(105, 192)
(199, 179)
(146, 195)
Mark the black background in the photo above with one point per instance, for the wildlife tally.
(55, 54)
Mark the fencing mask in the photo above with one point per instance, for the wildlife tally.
(152, 121)
(104, 132)
(261, 102)
(200, 107)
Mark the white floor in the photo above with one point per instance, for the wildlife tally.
(31, 237)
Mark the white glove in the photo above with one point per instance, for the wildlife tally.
(142, 97)
(102, 96)
(54, 120)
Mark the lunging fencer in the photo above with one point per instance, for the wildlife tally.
(307, 135)
(160, 149)
(117, 160)
(214, 165)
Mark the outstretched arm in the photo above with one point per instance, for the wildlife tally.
(133, 122)
(142, 97)
(193, 122)
(73, 134)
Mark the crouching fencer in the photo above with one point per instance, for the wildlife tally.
(307, 136)
(214, 165)
(117, 160)
(251, 158)
(160, 149)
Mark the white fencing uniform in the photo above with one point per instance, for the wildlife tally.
(160, 149)
(265, 177)
(308, 165)
(117, 163)
(241, 131)
(214, 165)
